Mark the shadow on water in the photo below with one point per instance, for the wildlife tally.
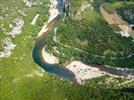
(39, 45)
(55, 69)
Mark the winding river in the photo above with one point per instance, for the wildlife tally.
(57, 69)
(39, 45)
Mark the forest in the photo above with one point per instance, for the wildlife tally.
(89, 38)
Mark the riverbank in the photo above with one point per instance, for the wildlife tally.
(84, 72)
(81, 71)
(53, 13)
(49, 58)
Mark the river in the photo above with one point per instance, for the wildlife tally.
(38, 57)
(57, 69)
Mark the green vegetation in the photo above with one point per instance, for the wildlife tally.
(115, 27)
(20, 77)
(50, 87)
(97, 3)
(90, 38)
(108, 7)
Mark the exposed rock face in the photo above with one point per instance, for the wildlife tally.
(17, 29)
(35, 19)
(8, 47)
(28, 3)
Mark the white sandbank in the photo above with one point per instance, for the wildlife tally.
(49, 58)
(54, 12)
(83, 71)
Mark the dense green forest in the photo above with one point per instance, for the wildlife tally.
(90, 38)
(127, 11)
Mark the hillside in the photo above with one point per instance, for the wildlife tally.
(83, 35)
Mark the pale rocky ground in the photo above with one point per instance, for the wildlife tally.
(7, 42)
(8, 47)
(16, 30)
(35, 19)
(83, 71)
